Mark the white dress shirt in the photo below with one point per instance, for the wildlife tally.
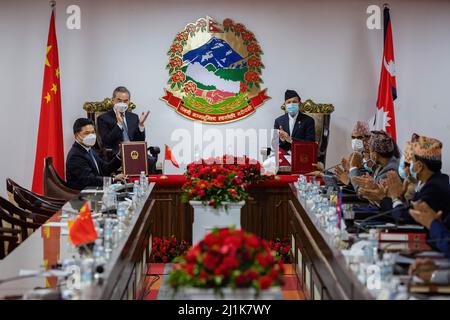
(292, 123)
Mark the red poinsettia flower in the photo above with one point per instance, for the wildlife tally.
(253, 48)
(178, 76)
(190, 87)
(176, 62)
(265, 282)
(182, 36)
(254, 62)
(239, 27)
(176, 47)
(190, 28)
(251, 76)
(247, 36)
(227, 23)
(243, 87)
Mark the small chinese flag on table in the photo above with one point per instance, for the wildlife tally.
(83, 230)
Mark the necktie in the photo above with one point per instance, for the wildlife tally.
(91, 154)
(126, 138)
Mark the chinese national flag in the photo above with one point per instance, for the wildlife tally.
(83, 230)
(387, 89)
(169, 156)
(50, 141)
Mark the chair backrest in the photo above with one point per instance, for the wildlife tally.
(321, 113)
(20, 213)
(10, 185)
(16, 223)
(28, 202)
(8, 241)
(54, 186)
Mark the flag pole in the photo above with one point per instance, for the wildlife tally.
(164, 160)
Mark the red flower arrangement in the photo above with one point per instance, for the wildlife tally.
(282, 249)
(227, 258)
(164, 250)
(221, 179)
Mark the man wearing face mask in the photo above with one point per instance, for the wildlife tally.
(360, 146)
(294, 125)
(84, 168)
(384, 153)
(119, 125)
(433, 187)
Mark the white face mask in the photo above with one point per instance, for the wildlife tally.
(121, 107)
(357, 145)
(90, 140)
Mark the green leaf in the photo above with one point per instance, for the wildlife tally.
(173, 85)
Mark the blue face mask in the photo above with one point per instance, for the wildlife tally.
(292, 108)
(401, 168)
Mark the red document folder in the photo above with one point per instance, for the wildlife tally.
(134, 158)
(304, 154)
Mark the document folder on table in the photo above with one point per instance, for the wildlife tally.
(304, 154)
(134, 158)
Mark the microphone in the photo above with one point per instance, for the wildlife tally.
(382, 214)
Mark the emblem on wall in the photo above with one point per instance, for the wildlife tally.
(215, 72)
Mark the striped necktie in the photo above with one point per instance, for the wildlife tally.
(125, 135)
(91, 154)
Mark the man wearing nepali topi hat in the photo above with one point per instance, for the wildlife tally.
(294, 125)
(433, 187)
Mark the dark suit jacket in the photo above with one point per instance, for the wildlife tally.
(111, 134)
(304, 129)
(81, 171)
(435, 192)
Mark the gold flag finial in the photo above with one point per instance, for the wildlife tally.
(52, 3)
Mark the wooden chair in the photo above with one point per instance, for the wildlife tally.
(31, 203)
(8, 241)
(54, 185)
(17, 224)
(24, 215)
(10, 185)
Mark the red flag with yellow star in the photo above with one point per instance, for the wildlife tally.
(83, 228)
(50, 142)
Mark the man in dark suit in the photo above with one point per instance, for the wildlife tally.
(294, 125)
(83, 166)
(119, 125)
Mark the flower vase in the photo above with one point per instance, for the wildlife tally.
(206, 217)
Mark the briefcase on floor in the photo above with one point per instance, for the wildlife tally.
(303, 155)
(134, 158)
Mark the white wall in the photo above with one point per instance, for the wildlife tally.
(321, 48)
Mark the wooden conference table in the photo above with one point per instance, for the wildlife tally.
(274, 212)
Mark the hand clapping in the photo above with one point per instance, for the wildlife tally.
(143, 117)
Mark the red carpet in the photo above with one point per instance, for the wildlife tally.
(157, 271)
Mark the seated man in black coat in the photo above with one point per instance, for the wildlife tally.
(120, 125)
(294, 125)
(83, 166)
(433, 189)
